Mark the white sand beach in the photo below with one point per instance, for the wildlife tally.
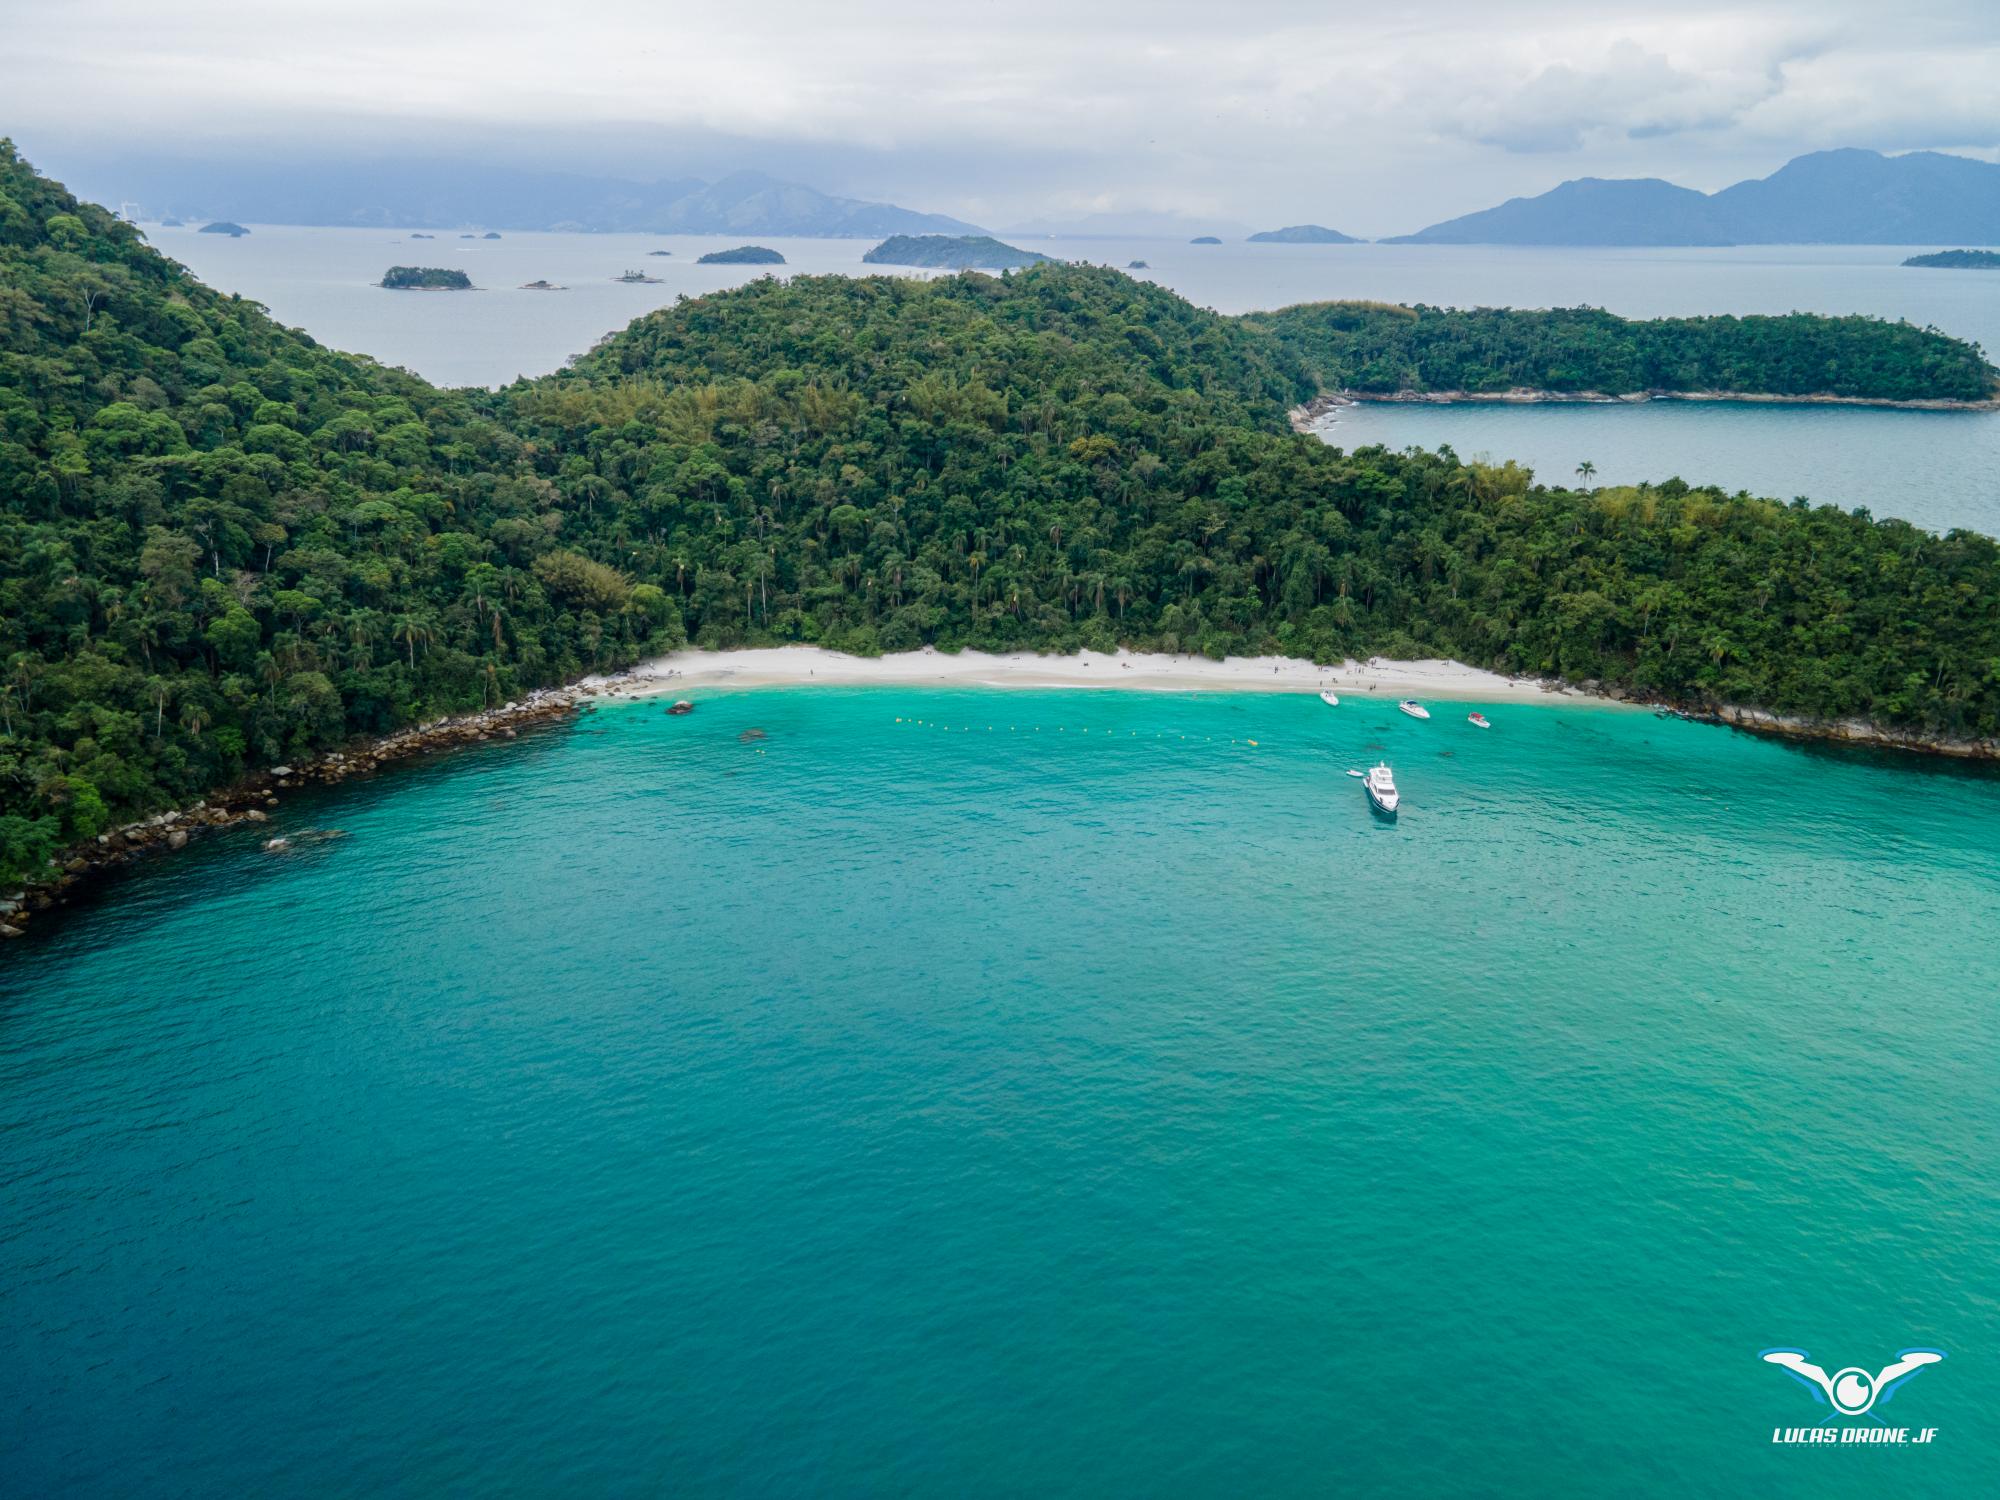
(1156, 672)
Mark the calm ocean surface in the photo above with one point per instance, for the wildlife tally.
(1003, 1093)
(1937, 469)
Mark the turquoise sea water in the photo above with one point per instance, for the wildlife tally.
(999, 1093)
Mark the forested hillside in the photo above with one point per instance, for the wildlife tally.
(1379, 347)
(223, 546)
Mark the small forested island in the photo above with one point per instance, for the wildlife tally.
(742, 255)
(1137, 265)
(419, 235)
(170, 222)
(952, 252)
(1205, 239)
(1958, 260)
(638, 278)
(489, 235)
(542, 286)
(1381, 349)
(226, 548)
(425, 279)
(659, 252)
(1303, 234)
(223, 226)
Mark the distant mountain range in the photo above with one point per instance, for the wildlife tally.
(452, 195)
(1846, 197)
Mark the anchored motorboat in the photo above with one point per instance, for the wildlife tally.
(1329, 697)
(1413, 708)
(1381, 788)
(1480, 720)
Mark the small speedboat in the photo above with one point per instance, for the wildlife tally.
(1480, 720)
(682, 707)
(1380, 786)
(1329, 697)
(1413, 708)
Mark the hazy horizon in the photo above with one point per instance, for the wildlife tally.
(1368, 123)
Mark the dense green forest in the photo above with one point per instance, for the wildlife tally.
(224, 546)
(426, 279)
(1380, 347)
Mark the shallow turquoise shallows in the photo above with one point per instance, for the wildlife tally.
(981, 1093)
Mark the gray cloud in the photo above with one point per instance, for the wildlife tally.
(1352, 114)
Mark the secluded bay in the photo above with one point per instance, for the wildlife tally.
(998, 1092)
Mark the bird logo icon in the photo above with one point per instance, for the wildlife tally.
(1853, 1391)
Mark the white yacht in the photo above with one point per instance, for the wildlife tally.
(1413, 708)
(1381, 789)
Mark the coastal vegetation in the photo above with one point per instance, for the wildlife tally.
(425, 279)
(223, 546)
(953, 252)
(1958, 260)
(1379, 348)
(742, 255)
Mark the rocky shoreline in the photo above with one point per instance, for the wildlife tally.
(1861, 733)
(1306, 418)
(1851, 732)
(252, 799)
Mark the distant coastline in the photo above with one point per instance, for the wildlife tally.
(1308, 417)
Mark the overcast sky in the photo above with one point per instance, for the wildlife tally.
(1373, 118)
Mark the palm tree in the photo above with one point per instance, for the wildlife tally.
(409, 629)
(1586, 471)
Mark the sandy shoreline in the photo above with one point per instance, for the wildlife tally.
(782, 666)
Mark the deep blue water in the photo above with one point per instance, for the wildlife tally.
(998, 1093)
